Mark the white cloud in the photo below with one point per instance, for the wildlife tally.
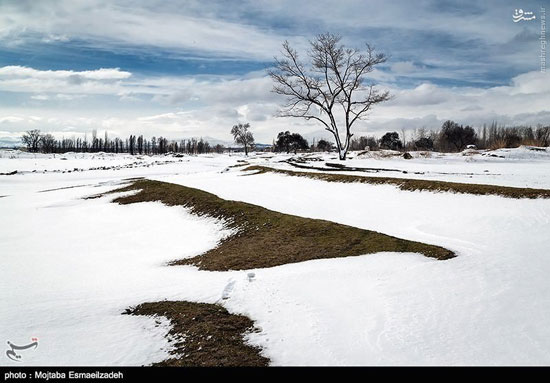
(209, 106)
(11, 119)
(424, 94)
(177, 106)
(101, 74)
(24, 79)
(59, 97)
(403, 67)
(246, 30)
(166, 90)
(40, 97)
(535, 82)
(524, 101)
(135, 24)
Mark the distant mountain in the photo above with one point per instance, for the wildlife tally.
(9, 142)
(262, 146)
(215, 141)
(211, 140)
(228, 144)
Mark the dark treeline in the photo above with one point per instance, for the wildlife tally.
(47, 143)
(294, 142)
(452, 137)
(290, 142)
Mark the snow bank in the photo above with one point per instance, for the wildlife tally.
(488, 306)
(519, 167)
(72, 266)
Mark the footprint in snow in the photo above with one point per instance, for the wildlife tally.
(228, 289)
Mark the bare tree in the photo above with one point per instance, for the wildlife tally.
(335, 78)
(243, 136)
(47, 142)
(32, 139)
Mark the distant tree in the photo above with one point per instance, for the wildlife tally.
(132, 144)
(162, 145)
(324, 145)
(456, 136)
(243, 136)
(287, 141)
(32, 139)
(48, 142)
(391, 141)
(542, 135)
(298, 142)
(283, 142)
(106, 142)
(512, 138)
(528, 134)
(94, 141)
(362, 143)
(331, 88)
(202, 146)
(154, 145)
(140, 144)
(424, 143)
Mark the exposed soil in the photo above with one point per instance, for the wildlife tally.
(207, 335)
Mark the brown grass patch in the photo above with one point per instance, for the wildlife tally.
(207, 335)
(239, 164)
(415, 184)
(265, 238)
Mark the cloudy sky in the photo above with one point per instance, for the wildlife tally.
(194, 68)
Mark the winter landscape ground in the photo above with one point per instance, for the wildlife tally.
(465, 284)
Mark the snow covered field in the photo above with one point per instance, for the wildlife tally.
(521, 167)
(72, 266)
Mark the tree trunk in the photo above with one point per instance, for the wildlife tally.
(342, 150)
(342, 155)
